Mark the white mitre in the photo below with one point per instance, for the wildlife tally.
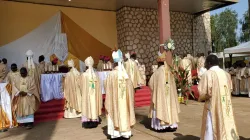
(127, 55)
(71, 63)
(31, 64)
(89, 61)
(117, 57)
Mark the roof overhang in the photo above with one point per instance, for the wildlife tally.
(187, 6)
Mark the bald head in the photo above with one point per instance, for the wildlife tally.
(212, 60)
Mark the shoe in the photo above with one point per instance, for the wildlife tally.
(29, 126)
(120, 138)
(172, 129)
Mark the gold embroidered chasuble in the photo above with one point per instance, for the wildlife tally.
(41, 67)
(100, 65)
(119, 101)
(25, 105)
(187, 64)
(72, 93)
(215, 89)
(11, 77)
(3, 72)
(91, 96)
(35, 74)
(164, 96)
(134, 73)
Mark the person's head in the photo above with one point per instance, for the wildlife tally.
(211, 60)
(227, 64)
(115, 64)
(23, 72)
(243, 64)
(133, 56)
(13, 67)
(198, 55)
(41, 59)
(160, 63)
(0, 61)
(209, 52)
(4, 61)
(202, 54)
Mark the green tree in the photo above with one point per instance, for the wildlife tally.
(244, 35)
(223, 29)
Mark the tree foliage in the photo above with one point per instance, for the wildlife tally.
(223, 29)
(244, 35)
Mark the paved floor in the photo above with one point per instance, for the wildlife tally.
(189, 127)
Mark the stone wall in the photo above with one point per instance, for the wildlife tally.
(182, 32)
(138, 31)
(202, 42)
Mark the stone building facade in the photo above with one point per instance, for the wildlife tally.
(138, 30)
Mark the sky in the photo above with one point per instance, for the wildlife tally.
(241, 7)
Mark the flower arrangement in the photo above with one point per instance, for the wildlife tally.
(169, 45)
(182, 85)
(106, 59)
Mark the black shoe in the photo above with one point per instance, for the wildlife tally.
(137, 88)
(125, 138)
(120, 138)
(172, 129)
(4, 130)
(29, 126)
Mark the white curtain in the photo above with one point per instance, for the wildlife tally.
(44, 40)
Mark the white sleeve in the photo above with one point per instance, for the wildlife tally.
(17, 94)
(159, 53)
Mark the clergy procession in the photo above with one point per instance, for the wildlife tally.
(116, 69)
(83, 94)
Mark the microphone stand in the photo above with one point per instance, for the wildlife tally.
(2, 120)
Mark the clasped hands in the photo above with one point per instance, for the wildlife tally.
(22, 93)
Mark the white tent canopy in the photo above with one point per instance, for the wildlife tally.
(243, 48)
(220, 55)
(46, 40)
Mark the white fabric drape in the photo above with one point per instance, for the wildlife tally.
(44, 40)
(5, 101)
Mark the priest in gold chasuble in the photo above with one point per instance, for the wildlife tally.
(215, 89)
(91, 96)
(164, 108)
(26, 99)
(12, 75)
(72, 93)
(33, 70)
(133, 72)
(41, 65)
(119, 102)
(186, 63)
(100, 63)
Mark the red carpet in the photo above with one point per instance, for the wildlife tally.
(54, 110)
(49, 111)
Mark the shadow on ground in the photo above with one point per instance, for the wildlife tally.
(41, 131)
(186, 137)
(105, 132)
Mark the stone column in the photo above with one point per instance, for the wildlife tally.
(164, 22)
